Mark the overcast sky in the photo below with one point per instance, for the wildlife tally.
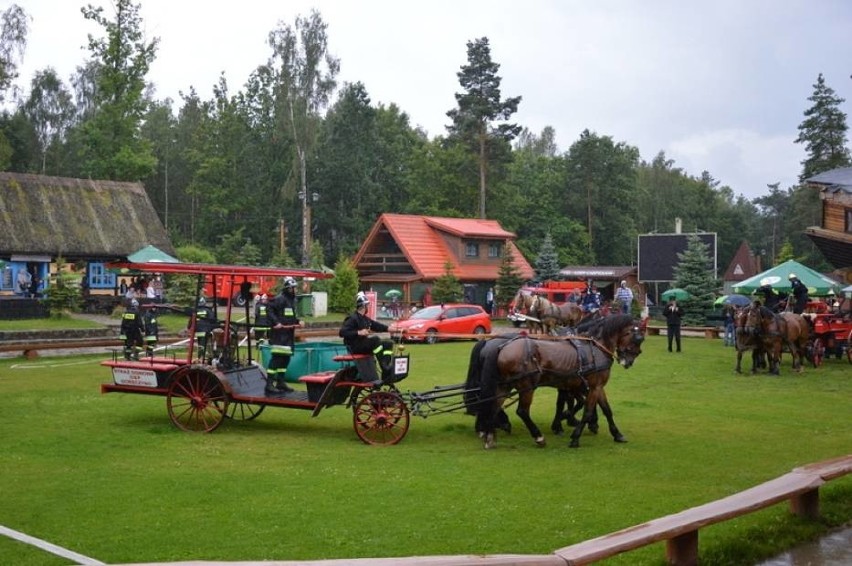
(718, 85)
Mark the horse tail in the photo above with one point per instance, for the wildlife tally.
(474, 376)
(489, 378)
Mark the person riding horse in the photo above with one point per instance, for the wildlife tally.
(771, 300)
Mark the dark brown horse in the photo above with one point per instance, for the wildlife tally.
(776, 331)
(580, 362)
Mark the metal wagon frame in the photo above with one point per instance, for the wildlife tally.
(203, 391)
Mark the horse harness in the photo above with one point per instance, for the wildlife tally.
(592, 357)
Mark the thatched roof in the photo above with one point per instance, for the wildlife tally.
(76, 218)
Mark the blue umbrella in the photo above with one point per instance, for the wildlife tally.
(737, 300)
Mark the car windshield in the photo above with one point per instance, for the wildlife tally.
(427, 313)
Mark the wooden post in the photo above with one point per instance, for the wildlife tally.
(806, 505)
(682, 550)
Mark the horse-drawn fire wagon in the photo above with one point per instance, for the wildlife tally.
(225, 380)
(831, 334)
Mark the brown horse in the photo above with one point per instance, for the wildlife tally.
(552, 315)
(579, 362)
(774, 331)
(744, 342)
(522, 304)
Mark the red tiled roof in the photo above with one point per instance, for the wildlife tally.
(419, 239)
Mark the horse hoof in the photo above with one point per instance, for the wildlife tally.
(593, 429)
(574, 444)
(620, 439)
(540, 442)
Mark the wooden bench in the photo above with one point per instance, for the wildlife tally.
(709, 331)
(680, 530)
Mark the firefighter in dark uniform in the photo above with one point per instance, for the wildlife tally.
(261, 319)
(356, 331)
(152, 331)
(281, 313)
(132, 327)
(771, 299)
(205, 323)
(800, 294)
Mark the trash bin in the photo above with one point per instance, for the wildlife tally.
(304, 305)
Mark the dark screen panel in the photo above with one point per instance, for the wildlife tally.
(658, 254)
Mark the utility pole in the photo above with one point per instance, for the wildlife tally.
(282, 233)
(306, 229)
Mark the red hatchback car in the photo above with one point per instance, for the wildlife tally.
(430, 323)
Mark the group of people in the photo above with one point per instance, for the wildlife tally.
(139, 330)
(777, 301)
(151, 289)
(277, 320)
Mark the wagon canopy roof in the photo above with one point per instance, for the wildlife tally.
(216, 269)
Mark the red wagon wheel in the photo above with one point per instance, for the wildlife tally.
(242, 411)
(849, 347)
(381, 418)
(197, 401)
(818, 352)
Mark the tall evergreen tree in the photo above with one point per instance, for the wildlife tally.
(509, 280)
(479, 106)
(694, 274)
(114, 149)
(823, 132)
(547, 262)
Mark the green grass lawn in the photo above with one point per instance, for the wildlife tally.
(110, 477)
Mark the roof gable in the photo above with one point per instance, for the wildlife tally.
(419, 238)
(742, 266)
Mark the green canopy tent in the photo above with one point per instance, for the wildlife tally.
(151, 254)
(818, 284)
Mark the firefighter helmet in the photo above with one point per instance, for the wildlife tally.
(289, 283)
(361, 299)
(134, 304)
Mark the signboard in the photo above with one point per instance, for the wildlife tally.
(135, 377)
(658, 254)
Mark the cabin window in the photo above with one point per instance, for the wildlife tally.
(849, 220)
(471, 249)
(494, 250)
(100, 277)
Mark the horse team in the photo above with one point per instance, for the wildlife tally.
(766, 334)
(578, 365)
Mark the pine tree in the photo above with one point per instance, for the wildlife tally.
(547, 261)
(447, 288)
(509, 280)
(694, 274)
(479, 106)
(343, 288)
(823, 132)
